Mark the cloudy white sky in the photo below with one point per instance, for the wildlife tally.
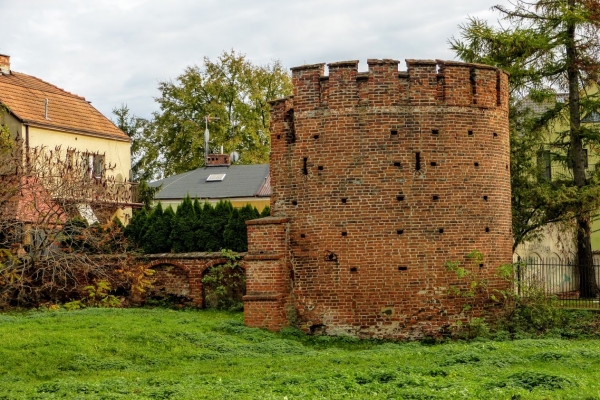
(116, 51)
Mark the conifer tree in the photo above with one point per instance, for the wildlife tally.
(157, 231)
(222, 211)
(549, 46)
(164, 228)
(235, 235)
(149, 239)
(183, 236)
(205, 234)
(198, 211)
(232, 238)
(266, 212)
(197, 208)
(136, 228)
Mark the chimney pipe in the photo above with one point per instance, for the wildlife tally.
(4, 64)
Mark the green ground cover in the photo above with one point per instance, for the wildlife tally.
(578, 304)
(167, 354)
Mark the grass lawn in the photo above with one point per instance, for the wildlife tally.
(165, 354)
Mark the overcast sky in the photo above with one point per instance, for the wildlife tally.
(116, 51)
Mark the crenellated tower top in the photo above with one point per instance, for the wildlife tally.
(426, 82)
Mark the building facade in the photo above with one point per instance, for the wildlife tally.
(77, 138)
(380, 180)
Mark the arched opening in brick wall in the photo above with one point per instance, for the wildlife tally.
(223, 286)
(171, 285)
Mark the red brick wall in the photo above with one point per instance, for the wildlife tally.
(268, 292)
(369, 230)
(267, 302)
(181, 274)
(170, 280)
(218, 159)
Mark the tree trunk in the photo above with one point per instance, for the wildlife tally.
(587, 276)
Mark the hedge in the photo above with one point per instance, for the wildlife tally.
(193, 227)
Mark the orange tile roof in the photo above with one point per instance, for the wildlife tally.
(25, 97)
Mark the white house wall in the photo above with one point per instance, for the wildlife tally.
(556, 243)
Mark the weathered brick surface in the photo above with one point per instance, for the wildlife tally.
(181, 274)
(218, 159)
(267, 303)
(378, 179)
(170, 280)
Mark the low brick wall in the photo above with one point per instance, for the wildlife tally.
(181, 274)
(267, 303)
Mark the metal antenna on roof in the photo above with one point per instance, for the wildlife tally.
(207, 119)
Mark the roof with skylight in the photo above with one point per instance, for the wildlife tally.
(215, 177)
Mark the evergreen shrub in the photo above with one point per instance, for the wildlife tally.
(193, 227)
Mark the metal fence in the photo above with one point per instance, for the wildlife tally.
(572, 285)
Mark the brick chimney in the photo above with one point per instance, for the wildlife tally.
(218, 160)
(4, 64)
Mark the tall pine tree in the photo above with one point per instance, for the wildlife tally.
(136, 228)
(550, 46)
(206, 232)
(183, 236)
(232, 240)
(157, 231)
(266, 212)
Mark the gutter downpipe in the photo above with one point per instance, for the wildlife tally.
(27, 146)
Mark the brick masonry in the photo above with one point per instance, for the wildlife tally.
(181, 274)
(267, 300)
(378, 179)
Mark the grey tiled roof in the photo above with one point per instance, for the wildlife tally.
(539, 108)
(239, 181)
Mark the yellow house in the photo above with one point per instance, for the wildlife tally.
(557, 243)
(73, 134)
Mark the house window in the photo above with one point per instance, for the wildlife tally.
(94, 164)
(70, 160)
(215, 177)
(70, 163)
(594, 116)
(98, 166)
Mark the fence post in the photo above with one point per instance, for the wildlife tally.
(519, 275)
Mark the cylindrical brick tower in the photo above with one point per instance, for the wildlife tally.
(379, 179)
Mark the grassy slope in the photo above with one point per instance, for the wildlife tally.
(159, 354)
